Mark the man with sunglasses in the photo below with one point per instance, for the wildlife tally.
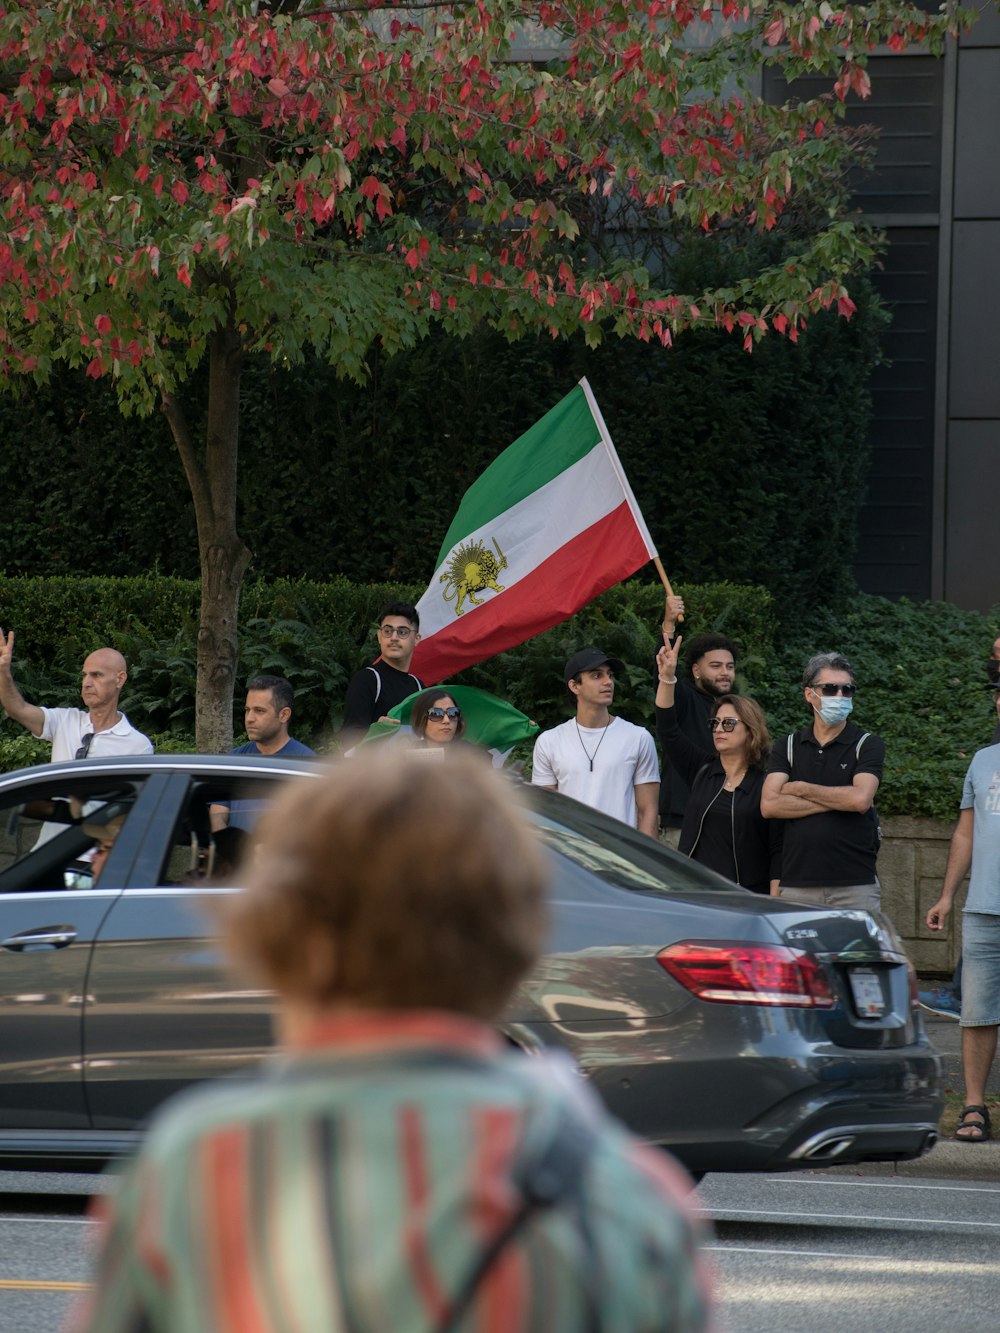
(101, 729)
(822, 780)
(375, 689)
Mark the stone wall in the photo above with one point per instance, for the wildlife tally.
(911, 866)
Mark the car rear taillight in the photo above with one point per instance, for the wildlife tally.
(734, 973)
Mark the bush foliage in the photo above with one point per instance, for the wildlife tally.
(920, 668)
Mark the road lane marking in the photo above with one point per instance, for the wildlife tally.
(725, 1214)
(891, 1185)
(28, 1284)
(844, 1255)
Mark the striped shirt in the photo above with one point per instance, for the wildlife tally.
(355, 1184)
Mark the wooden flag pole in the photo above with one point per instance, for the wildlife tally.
(663, 575)
(664, 580)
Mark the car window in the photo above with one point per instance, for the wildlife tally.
(214, 827)
(621, 856)
(52, 831)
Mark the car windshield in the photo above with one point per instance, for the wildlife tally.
(617, 854)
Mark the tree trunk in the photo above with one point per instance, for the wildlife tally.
(223, 556)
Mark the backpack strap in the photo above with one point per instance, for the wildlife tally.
(378, 683)
(861, 741)
(552, 1179)
(790, 749)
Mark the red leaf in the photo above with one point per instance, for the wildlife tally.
(180, 192)
(183, 275)
(102, 324)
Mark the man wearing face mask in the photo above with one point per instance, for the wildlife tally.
(823, 781)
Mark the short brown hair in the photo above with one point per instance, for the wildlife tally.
(752, 716)
(414, 890)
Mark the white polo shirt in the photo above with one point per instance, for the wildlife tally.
(66, 728)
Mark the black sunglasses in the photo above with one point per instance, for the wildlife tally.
(84, 749)
(831, 691)
(726, 723)
(439, 714)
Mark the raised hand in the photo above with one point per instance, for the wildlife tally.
(6, 650)
(666, 662)
(673, 611)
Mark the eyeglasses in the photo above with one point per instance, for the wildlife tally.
(726, 723)
(439, 714)
(831, 691)
(400, 631)
(84, 749)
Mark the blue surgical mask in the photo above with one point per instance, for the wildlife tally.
(836, 710)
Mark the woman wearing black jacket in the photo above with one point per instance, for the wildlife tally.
(723, 828)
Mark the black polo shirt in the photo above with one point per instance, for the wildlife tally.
(836, 847)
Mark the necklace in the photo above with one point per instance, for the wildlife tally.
(731, 784)
(592, 757)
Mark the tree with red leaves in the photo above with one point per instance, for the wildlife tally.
(192, 181)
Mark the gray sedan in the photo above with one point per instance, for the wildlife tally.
(741, 1032)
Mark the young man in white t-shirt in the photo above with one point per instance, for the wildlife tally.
(598, 759)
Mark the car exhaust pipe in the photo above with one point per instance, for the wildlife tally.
(826, 1150)
(929, 1142)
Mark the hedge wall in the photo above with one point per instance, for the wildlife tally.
(920, 668)
(723, 449)
(317, 635)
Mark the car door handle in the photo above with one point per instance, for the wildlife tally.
(44, 937)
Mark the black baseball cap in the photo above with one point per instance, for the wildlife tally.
(588, 658)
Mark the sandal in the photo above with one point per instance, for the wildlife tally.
(979, 1130)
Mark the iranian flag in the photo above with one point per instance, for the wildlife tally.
(549, 525)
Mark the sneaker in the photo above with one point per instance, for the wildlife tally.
(941, 1002)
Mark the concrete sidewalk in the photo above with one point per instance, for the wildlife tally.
(949, 1157)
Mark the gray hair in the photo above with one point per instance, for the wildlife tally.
(822, 662)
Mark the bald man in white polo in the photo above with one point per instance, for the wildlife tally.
(100, 729)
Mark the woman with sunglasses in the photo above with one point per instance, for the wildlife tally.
(436, 720)
(723, 828)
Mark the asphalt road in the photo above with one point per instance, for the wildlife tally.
(43, 1248)
(810, 1252)
(815, 1253)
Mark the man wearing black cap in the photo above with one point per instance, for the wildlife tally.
(598, 759)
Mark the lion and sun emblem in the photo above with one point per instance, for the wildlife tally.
(472, 569)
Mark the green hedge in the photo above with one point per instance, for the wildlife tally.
(920, 668)
(722, 449)
(317, 635)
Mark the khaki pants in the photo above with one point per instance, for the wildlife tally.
(866, 897)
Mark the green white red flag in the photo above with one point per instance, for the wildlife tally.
(549, 525)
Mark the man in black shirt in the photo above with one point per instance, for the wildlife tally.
(711, 667)
(822, 780)
(375, 689)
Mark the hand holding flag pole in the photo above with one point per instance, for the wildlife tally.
(673, 610)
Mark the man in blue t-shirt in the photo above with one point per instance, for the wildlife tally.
(267, 713)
